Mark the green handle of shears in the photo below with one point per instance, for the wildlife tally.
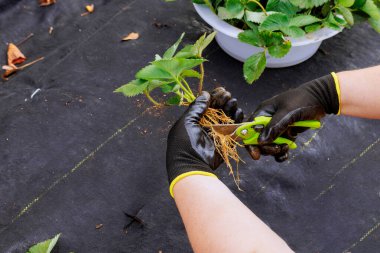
(307, 123)
(263, 120)
(279, 140)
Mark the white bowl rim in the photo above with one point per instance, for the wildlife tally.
(220, 25)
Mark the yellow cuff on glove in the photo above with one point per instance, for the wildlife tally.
(190, 173)
(337, 86)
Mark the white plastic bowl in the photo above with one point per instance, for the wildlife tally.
(227, 37)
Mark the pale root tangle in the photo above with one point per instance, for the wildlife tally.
(224, 144)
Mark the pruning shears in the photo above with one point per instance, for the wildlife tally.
(248, 132)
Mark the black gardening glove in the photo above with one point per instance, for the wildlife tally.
(190, 150)
(310, 101)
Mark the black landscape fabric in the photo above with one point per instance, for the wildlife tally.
(77, 155)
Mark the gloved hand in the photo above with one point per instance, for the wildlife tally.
(310, 101)
(190, 150)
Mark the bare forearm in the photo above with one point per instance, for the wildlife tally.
(216, 221)
(360, 92)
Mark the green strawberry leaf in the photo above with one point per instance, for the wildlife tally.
(333, 22)
(303, 20)
(280, 50)
(308, 4)
(133, 88)
(274, 22)
(252, 37)
(375, 24)
(257, 17)
(207, 41)
(198, 43)
(293, 31)
(281, 22)
(312, 28)
(358, 4)
(152, 72)
(234, 6)
(254, 67)
(346, 13)
(187, 52)
(371, 9)
(326, 8)
(272, 38)
(202, 43)
(196, 50)
(284, 6)
(251, 5)
(169, 87)
(171, 51)
(340, 20)
(251, 24)
(346, 3)
(44, 247)
(333, 26)
(224, 14)
(191, 73)
(176, 66)
(274, 41)
(174, 100)
(153, 84)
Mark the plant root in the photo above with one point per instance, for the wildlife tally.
(225, 145)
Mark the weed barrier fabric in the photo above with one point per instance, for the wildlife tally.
(77, 155)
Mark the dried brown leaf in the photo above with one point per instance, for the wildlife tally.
(6, 67)
(46, 2)
(9, 70)
(14, 55)
(90, 8)
(131, 36)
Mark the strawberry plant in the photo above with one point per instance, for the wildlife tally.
(45, 246)
(171, 74)
(269, 24)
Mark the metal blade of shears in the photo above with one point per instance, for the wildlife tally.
(229, 129)
(249, 132)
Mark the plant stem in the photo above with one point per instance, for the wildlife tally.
(188, 99)
(187, 92)
(208, 3)
(180, 94)
(30, 63)
(150, 98)
(183, 96)
(187, 85)
(25, 39)
(189, 89)
(260, 5)
(200, 86)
